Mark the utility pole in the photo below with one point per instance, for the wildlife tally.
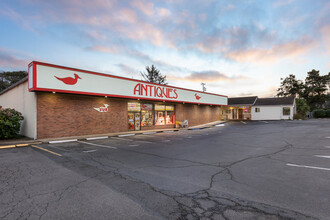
(203, 85)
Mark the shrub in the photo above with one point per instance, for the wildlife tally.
(327, 113)
(299, 116)
(9, 122)
(319, 113)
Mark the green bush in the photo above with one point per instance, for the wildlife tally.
(9, 122)
(327, 113)
(319, 113)
(299, 116)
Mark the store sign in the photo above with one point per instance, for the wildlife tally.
(103, 108)
(53, 78)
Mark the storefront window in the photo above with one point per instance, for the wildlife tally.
(134, 107)
(147, 115)
(170, 117)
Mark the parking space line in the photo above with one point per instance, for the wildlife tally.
(265, 122)
(243, 122)
(89, 151)
(122, 139)
(97, 145)
(310, 167)
(327, 146)
(327, 137)
(134, 145)
(49, 151)
(322, 156)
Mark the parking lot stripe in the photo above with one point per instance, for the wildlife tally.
(89, 151)
(97, 145)
(327, 146)
(49, 151)
(265, 122)
(310, 167)
(122, 139)
(322, 156)
(243, 122)
(62, 141)
(168, 131)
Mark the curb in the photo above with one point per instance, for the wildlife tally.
(102, 137)
(19, 145)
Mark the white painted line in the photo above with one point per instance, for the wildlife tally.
(134, 145)
(327, 137)
(166, 141)
(220, 125)
(89, 151)
(125, 135)
(62, 141)
(167, 131)
(265, 122)
(150, 133)
(311, 167)
(327, 146)
(122, 139)
(147, 142)
(97, 145)
(96, 138)
(243, 122)
(322, 156)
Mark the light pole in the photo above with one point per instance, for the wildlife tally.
(203, 85)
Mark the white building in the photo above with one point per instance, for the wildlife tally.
(273, 108)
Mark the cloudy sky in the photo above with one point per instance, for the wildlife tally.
(237, 48)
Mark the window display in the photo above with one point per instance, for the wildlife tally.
(133, 106)
(144, 114)
(147, 118)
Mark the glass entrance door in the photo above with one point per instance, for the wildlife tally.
(137, 121)
(134, 121)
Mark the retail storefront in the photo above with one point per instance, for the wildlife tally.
(61, 101)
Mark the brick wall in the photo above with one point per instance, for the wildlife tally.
(63, 115)
(197, 114)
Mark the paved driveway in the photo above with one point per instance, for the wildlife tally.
(251, 170)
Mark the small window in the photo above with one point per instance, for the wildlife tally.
(286, 110)
(257, 109)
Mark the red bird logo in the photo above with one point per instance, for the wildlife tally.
(69, 80)
(197, 97)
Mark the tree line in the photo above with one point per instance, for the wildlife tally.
(313, 91)
(10, 77)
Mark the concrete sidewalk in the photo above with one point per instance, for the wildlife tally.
(24, 142)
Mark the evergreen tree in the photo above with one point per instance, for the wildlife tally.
(153, 75)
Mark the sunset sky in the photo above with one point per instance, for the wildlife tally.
(238, 48)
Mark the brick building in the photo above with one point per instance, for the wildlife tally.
(59, 101)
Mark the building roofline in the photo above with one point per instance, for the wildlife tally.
(14, 85)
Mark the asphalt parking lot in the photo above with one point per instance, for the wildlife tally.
(238, 170)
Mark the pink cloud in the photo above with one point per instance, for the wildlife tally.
(163, 12)
(145, 7)
(286, 50)
(206, 76)
(128, 15)
(325, 32)
(9, 61)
